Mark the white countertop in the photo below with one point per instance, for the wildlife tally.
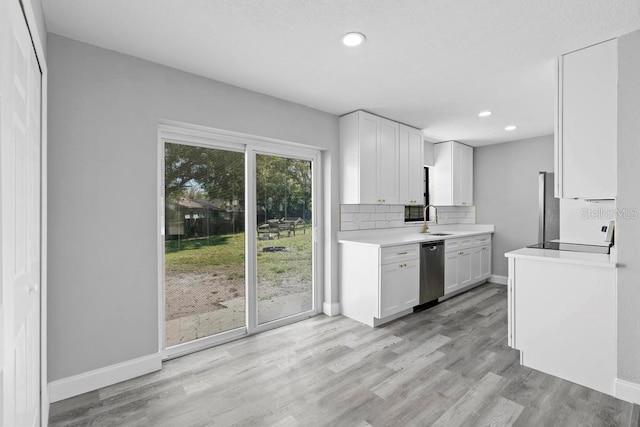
(411, 234)
(566, 257)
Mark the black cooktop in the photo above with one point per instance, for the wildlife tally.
(573, 247)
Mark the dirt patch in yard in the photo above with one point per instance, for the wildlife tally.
(189, 292)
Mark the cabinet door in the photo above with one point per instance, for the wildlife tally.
(465, 276)
(485, 262)
(462, 175)
(391, 289)
(476, 264)
(410, 284)
(587, 122)
(388, 162)
(440, 175)
(369, 132)
(411, 179)
(450, 272)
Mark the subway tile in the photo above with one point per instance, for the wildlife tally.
(394, 216)
(347, 217)
(361, 217)
(382, 208)
(377, 216)
(397, 208)
(350, 226)
(366, 225)
(367, 208)
(349, 208)
(382, 224)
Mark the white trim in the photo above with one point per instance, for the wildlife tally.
(160, 243)
(250, 241)
(377, 322)
(103, 377)
(202, 343)
(181, 130)
(626, 390)
(331, 308)
(500, 280)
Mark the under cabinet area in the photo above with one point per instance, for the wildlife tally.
(452, 174)
(378, 284)
(467, 261)
(586, 122)
(381, 161)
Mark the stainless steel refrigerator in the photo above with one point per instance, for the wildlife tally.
(548, 209)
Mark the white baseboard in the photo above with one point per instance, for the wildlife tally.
(331, 308)
(500, 280)
(103, 377)
(628, 391)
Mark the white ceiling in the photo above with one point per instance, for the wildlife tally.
(433, 64)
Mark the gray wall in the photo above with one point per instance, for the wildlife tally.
(628, 226)
(104, 109)
(505, 192)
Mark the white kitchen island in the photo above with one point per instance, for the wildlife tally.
(562, 314)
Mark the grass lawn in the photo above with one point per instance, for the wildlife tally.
(227, 252)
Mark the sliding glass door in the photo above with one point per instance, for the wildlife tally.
(204, 242)
(238, 246)
(285, 239)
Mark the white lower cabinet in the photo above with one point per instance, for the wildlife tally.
(398, 290)
(450, 272)
(562, 318)
(378, 284)
(467, 261)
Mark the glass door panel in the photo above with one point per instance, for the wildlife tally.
(204, 242)
(284, 255)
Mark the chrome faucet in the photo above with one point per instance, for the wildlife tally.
(425, 227)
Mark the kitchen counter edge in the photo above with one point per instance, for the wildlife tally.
(564, 257)
(411, 238)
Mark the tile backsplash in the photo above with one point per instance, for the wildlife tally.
(456, 214)
(368, 217)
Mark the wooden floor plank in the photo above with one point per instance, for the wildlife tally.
(446, 365)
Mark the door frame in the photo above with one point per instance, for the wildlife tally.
(184, 133)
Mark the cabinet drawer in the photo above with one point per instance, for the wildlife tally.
(482, 240)
(458, 244)
(398, 253)
(466, 242)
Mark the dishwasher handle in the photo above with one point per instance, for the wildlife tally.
(433, 245)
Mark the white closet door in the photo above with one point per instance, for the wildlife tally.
(20, 203)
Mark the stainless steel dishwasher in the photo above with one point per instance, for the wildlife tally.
(431, 271)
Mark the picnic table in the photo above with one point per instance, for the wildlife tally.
(275, 228)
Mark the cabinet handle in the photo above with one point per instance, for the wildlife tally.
(484, 249)
(461, 253)
(402, 253)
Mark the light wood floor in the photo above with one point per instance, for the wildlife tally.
(446, 366)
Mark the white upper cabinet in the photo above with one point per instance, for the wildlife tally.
(452, 175)
(586, 125)
(380, 161)
(411, 167)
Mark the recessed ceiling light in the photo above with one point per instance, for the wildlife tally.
(485, 114)
(509, 128)
(353, 39)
